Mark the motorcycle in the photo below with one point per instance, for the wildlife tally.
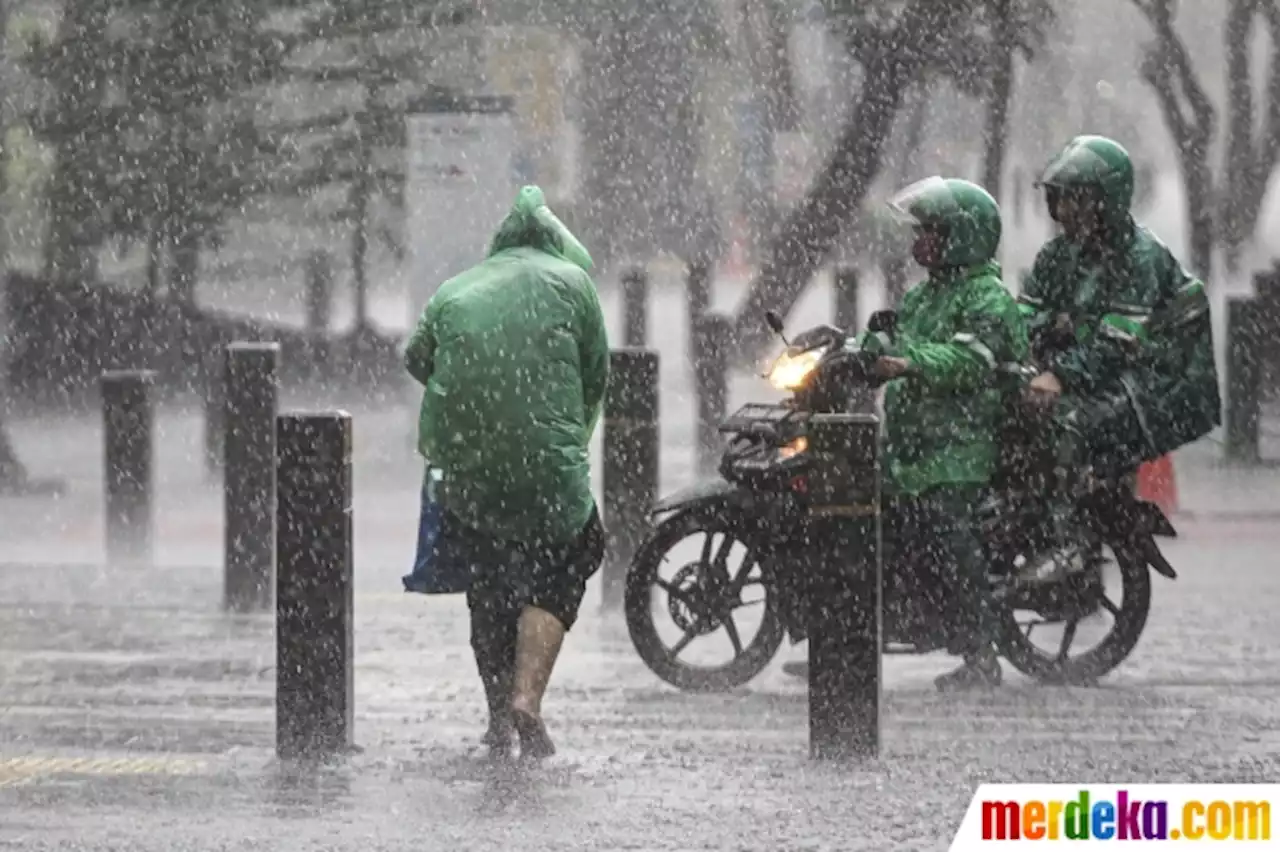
(1044, 563)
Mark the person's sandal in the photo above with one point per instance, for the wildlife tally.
(535, 742)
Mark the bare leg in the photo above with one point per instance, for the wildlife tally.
(538, 644)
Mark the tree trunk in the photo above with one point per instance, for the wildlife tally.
(642, 138)
(1239, 143)
(186, 262)
(836, 195)
(1168, 70)
(360, 245)
(72, 238)
(996, 132)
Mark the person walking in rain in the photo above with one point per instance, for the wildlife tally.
(513, 358)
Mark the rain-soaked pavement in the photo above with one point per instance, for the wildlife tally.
(135, 715)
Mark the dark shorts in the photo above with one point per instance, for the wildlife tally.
(508, 576)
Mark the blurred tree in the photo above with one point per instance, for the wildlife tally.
(77, 116)
(897, 42)
(772, 104)
(641, 117)
(360, 66)
(1222, 209)
(151, 129)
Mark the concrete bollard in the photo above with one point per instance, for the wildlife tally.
(635, 306)
(845, 286)
(127, 444)
(845, 595)
(314, 586)
(1245, 342)
(711, 383)
(630, 462)
(249, 479)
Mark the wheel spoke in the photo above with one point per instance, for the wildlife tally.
(1068, 636)
(705, 558)
(1109, 606)
(739, 581)
(691, 634)
(718, 565)
(731, 627)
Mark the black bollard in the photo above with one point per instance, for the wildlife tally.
(314, 586)
(1245, 341)
(698, 291)
(215, 375)
(249, 478)
(845, 595)
(319, 292)
(635, 306)
(630, 461)
(711, 380)
(318, 273)
(895, 281)
(845, 285)
(127, 421)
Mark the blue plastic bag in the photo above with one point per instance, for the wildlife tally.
(434, 572)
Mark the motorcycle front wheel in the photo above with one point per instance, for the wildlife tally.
(1083, 603)
(704, 598)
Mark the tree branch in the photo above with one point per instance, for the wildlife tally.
(1269, 149)
(1169, 55)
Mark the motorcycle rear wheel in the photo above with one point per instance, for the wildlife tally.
(1130, 619)
(642, 577)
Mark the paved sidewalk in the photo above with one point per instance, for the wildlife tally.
(137, 716)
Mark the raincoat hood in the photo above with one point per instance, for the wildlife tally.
(531, 224)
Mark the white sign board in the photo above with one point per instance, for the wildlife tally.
(460, 182)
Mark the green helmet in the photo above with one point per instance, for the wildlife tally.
(965, 210)
(1094, 162)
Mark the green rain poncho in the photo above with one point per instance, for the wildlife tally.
(514, 359)
(1141, 321)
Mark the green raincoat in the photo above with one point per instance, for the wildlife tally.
(1140, 321)
(957, 329)
(514, 359)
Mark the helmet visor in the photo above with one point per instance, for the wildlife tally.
(925, 203)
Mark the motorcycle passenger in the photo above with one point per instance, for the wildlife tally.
(944, 403)
(1119, 330)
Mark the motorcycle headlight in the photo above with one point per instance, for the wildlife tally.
(793, 449)
(789, 372)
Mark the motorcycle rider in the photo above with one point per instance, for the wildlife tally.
(1119, 330)
(944, 403)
